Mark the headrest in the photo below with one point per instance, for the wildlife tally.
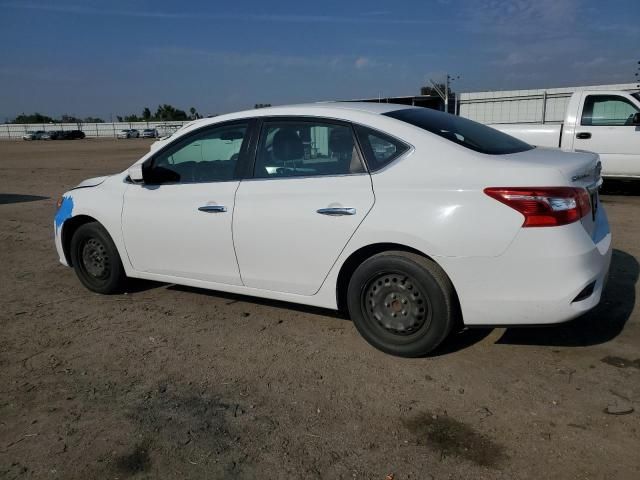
(287, 145)
(341, 141)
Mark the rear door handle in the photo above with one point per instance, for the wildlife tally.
(583, 135)
(336, 211)
(213, 208)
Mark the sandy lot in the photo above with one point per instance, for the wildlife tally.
(174, 382)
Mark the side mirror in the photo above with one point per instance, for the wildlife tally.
(135, 173)
(635, 120)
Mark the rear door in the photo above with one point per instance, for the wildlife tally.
(605, 128)
(309, 193)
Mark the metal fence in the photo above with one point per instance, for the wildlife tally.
(524, 106)
(15, 131)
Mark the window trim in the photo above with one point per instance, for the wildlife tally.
(584, 104)
(409, 149)
(243, 154)
(301, 119)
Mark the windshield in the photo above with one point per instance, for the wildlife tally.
(462, 131)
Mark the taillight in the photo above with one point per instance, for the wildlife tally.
(544, 206)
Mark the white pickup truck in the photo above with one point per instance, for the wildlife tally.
(606, 122)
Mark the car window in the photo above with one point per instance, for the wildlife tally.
(464, 132)
(607, 110)
(379, 149)
(306, 148)
(209, 156)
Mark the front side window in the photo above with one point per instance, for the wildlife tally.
(306, 148)
(208, 156)
(607, 110)
(464, 132)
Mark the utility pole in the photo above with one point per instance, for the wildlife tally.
(449, 79)
(445, 95)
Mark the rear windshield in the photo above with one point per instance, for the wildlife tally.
(462, 131)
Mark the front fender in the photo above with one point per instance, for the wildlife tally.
(102, 204)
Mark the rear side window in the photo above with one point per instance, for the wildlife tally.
(465, 132)
(306, 148)
(379, 149)
(607, 110)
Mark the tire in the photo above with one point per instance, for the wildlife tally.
(402, 303)
(95, 259)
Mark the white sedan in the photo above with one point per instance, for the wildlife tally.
(128, 133)
(412, 220)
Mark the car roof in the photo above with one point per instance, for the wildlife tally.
(339, 109)
(370, 107)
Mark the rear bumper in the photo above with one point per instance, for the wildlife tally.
(538, 280)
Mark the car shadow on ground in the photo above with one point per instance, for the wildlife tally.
(235, 298)
(598, 326)
(6, 198)
(620, 187)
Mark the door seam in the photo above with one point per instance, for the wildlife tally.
(233, 239)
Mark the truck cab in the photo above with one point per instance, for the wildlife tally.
(608, 123)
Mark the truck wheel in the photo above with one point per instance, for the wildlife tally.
(95, 259)
(402, 303)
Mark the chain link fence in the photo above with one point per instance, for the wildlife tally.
(15, 131)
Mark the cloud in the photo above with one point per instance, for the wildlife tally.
(596, 62)
(521, 57)
(362, 62)
(521, 17)
(266, 61)
(375, 18)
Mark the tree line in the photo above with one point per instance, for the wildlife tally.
(164, 113)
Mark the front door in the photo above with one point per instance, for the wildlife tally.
(178, 222)
(309, 194)
(605, 128)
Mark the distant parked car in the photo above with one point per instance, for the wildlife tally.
(31, 135)
(55, 135)
(46, 136)
(73, 135)
(150, 133)
(128, 133)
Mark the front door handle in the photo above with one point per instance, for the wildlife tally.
(583, 135)
(213, 208)
(336, 211)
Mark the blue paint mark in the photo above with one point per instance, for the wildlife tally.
(65, 211)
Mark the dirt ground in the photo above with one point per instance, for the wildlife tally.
(174, 382)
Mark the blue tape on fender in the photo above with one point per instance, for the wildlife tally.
(65, 211)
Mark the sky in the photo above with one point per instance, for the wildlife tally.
(106, 58)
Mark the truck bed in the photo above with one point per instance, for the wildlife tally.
(540, 135)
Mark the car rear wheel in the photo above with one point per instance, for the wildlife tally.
(95, 259)
(402, 303)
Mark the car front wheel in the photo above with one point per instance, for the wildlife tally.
(95, 259)
(402, 303)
